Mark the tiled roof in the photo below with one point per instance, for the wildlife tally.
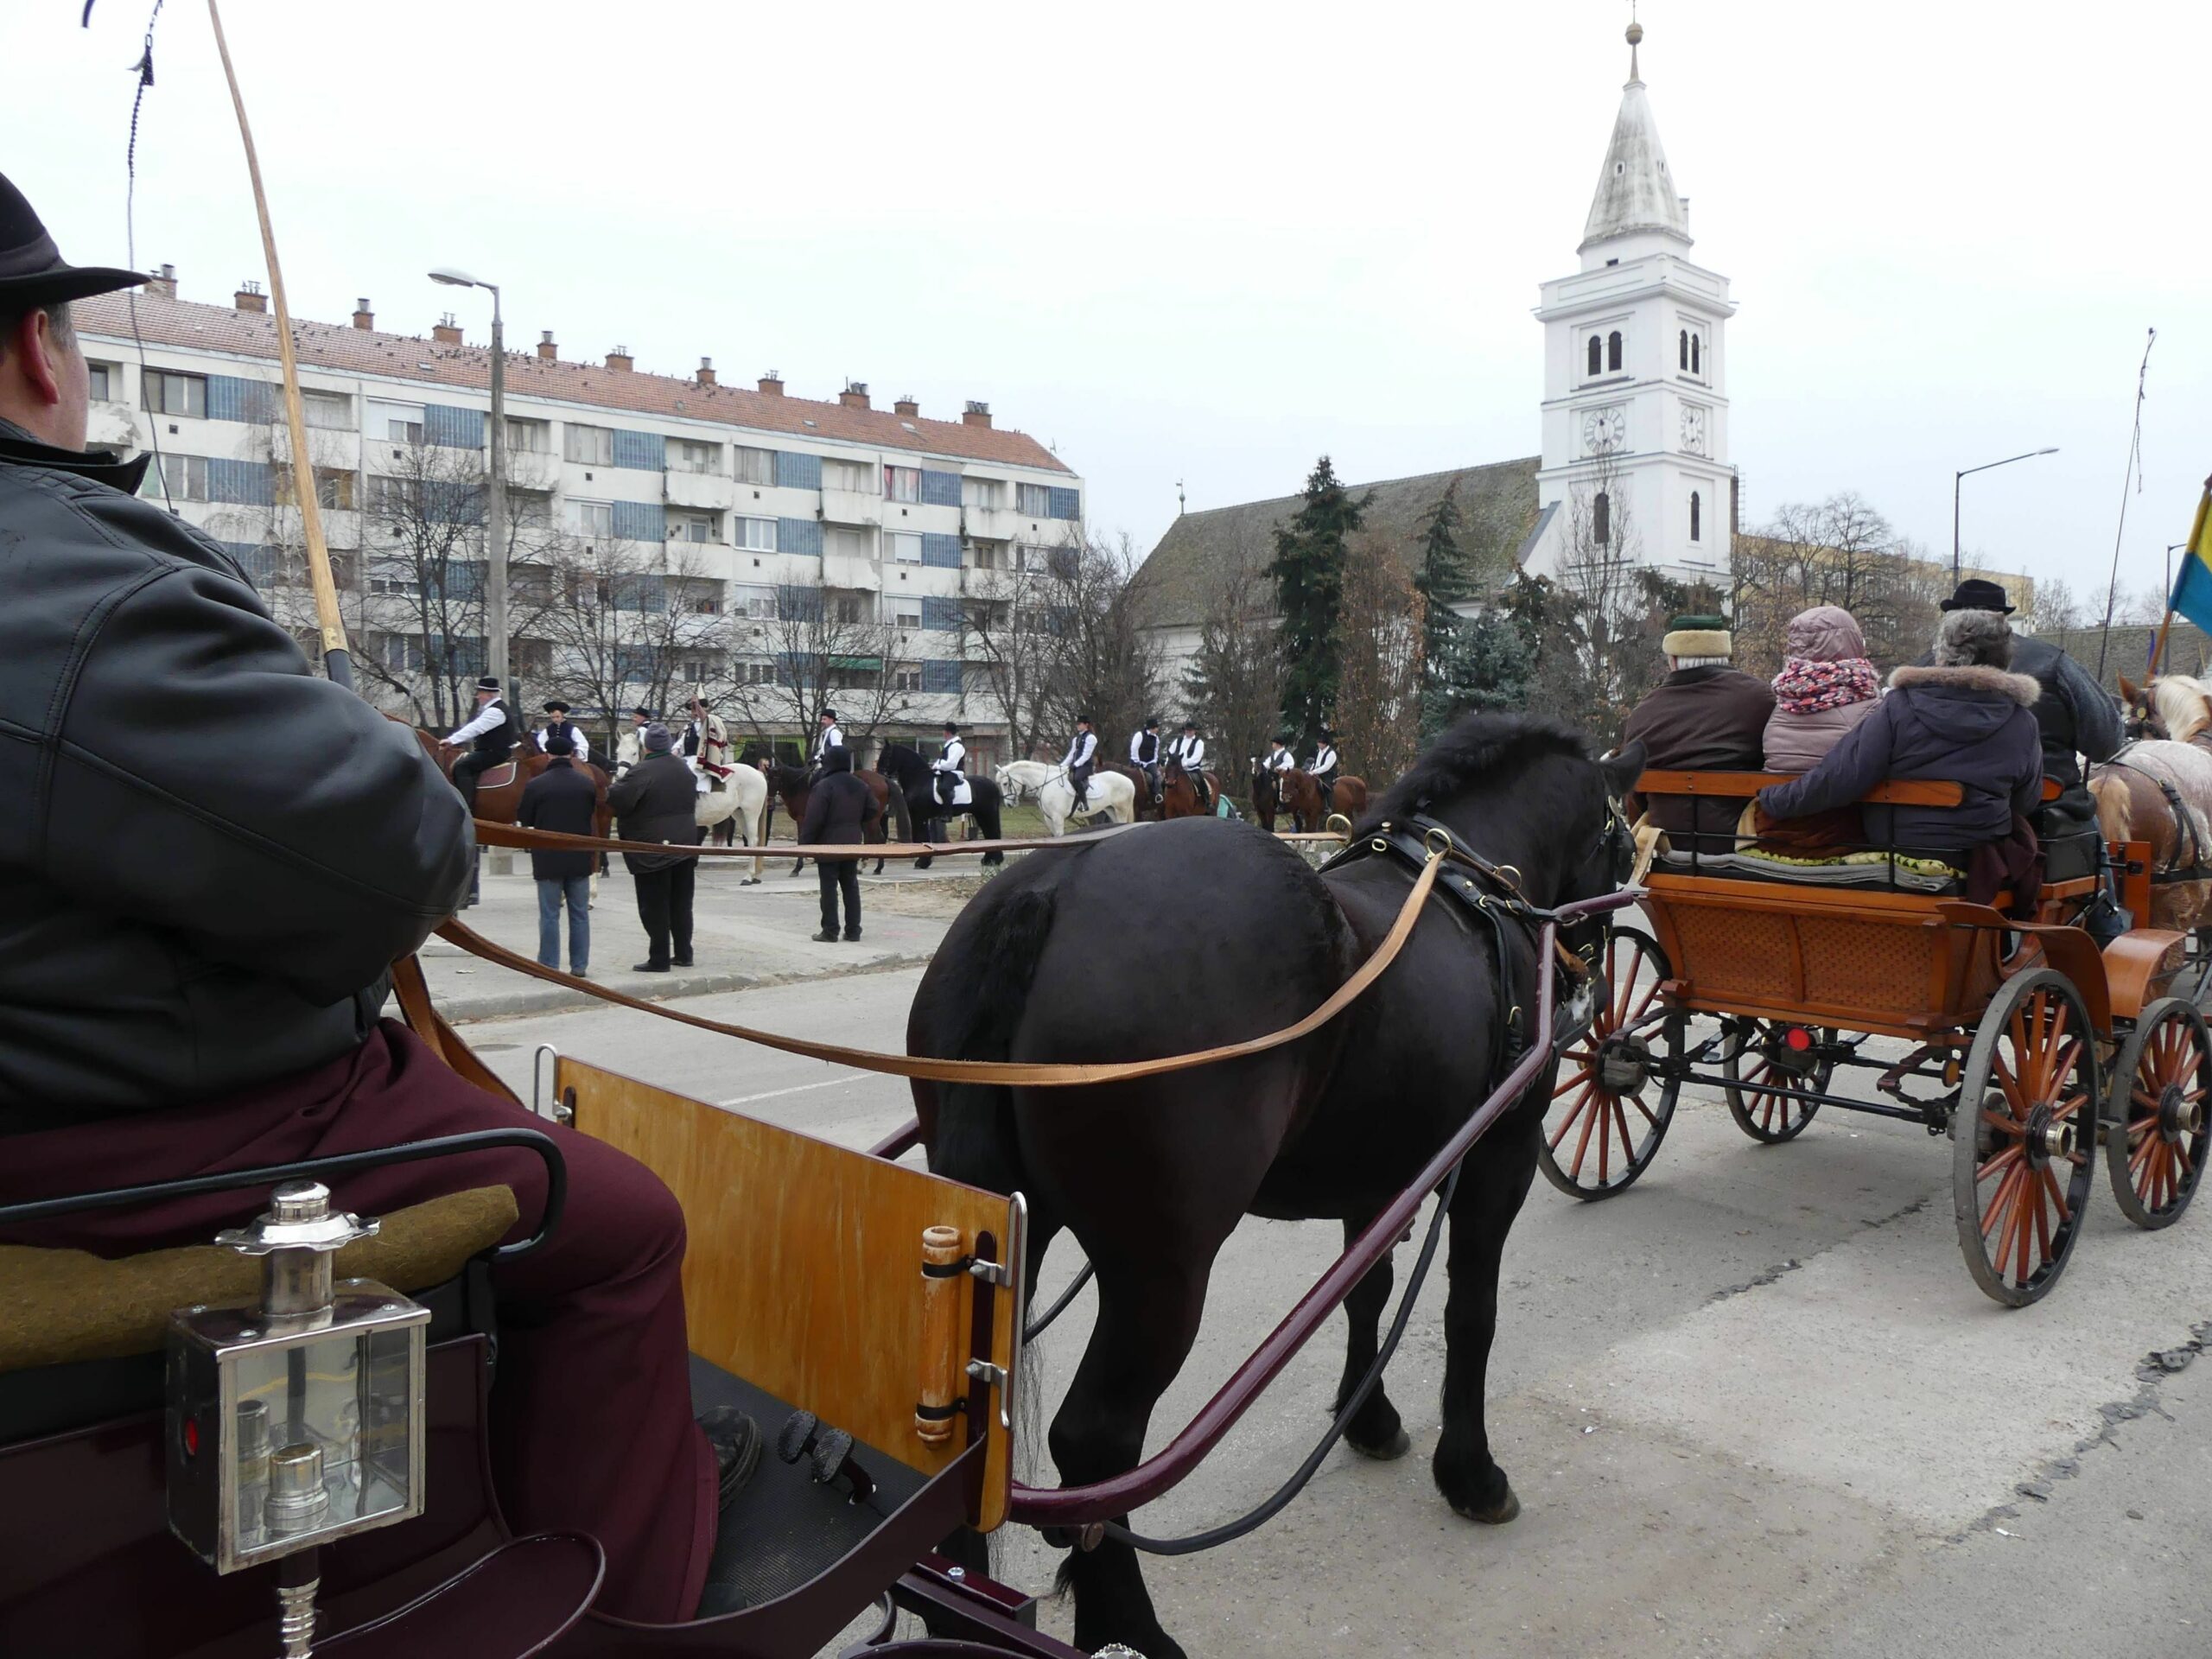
(1497, 504)
(347, 350)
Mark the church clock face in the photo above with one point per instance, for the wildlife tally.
(1603, 429)
(1693, 428)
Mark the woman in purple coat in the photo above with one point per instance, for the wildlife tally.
(1963, 719)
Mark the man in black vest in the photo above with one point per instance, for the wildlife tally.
(950, 765)
(1144, 754)
(557, 724)
(492, 734)
(1081, 757)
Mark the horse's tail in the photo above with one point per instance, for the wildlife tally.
(903, 817)
(975, 1138)
(2115, 811)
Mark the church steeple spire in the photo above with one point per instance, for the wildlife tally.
(1635, 191)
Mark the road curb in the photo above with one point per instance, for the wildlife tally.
(536, 997)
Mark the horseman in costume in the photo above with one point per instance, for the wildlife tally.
(557, 724)
(1189, 751)
(1322, 768)
(640, 717)
(492, 734)
(214, 951)
(706, 743)
(1081, 757)
(950, 765)
(1144, 754)
(830, 736)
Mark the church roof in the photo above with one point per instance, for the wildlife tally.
(1635, 190)
(1201, 550)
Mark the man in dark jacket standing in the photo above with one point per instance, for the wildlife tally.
(564, 799)
(657, 800)
(193, 954)
(1705, 716)
(838, 813)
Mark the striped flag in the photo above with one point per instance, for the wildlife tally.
(2192, 594)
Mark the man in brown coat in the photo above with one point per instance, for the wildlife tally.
(1705, 716)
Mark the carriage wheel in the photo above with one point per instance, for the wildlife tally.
(2159, 1094)
(1771, 1052)
(2022, 1133)
(1610, 1106)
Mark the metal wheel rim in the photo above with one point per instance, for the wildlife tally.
(2024, 1137)
(2153, 1155)
(1595, 1144)
(1780, 1118)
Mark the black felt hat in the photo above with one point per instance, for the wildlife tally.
(32, 271)
(555, 706)
(487, 683)
(1975, 594)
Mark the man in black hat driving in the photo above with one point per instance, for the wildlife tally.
(203, 951)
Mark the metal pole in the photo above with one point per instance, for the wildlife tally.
(1957, 479)
(495, 606)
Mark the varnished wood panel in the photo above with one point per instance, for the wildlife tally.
(803, 1273)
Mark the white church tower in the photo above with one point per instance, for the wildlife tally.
(1635, 469)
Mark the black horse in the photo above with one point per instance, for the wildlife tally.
(793, 786)
(912, 776)
(1152, 1176)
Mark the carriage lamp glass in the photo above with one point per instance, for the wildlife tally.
(298, 1419)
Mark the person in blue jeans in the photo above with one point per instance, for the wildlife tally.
(562, 797)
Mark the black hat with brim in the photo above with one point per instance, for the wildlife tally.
(32, 271)
(1977, 593)
(952, 726)
(556, 707)
(642, 712)
(487, 683)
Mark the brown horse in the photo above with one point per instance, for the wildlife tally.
(499, 792)
(2158, 790)
(1179, 796)
(793, 785)
(1297, 794)
(1146, 806)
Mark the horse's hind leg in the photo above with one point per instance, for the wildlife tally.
(1374, 1430)
(1492, 1184)
(1148, 1315)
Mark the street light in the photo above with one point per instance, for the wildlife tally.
(495, 529)
(1984, 467)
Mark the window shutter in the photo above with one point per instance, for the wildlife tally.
(645, 452)
(244, 483)
(230, 398)
(453, 428)
(799, 536)
(797, 472)
(941, 676)
(1064, 504)
(940, 489)
(941, 612)
(939, 550)
(639, 521)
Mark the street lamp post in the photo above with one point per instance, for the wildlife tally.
(495, 512)
(1955, 479)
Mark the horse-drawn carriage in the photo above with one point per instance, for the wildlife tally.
(2031, 1047)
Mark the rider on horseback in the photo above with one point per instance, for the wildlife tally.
(1323, 768)
(950, 765)
(494, 732)
(557, 724)
(829, 737)
(1082, 755)
(1189, 751)
(706, 743)
(1144, 754)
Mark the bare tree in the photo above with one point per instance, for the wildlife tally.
(1098, 659)
(1601, 578)
(823, 647)
(1839, 551)
(1008, 638)
(1234, 683)
(632, 625)
(1380, 641)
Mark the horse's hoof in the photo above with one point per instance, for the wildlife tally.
(1391, 1450)
(1503, 1511)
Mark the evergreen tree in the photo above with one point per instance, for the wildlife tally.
(1308, 570)
(1458, 668)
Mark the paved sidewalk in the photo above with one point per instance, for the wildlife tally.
(742, 936)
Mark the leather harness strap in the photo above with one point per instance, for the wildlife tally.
(491, 834)
(1005, 1073)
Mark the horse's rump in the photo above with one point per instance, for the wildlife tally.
(2160, 792)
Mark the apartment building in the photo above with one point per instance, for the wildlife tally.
(725, 501)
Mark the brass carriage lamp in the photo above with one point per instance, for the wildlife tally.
(296, 1421)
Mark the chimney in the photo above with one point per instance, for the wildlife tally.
(772, 384)
(621, 361)
(447, 333)
(706, 375)
(907, 406)
(547, 351)
(164, 282)
(976, 414)
(854, 395)
(363, 317)
(249, 296)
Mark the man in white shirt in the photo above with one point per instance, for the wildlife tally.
(1144, 754)
(706, 743)
(1189, 751)
(952, 761)
(1279, 757)
(830, 736)
(1082, 755)
(492, 733)
(557, 724)
(1323, 767)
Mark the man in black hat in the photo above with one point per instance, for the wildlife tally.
(640, 717)
(1082, 756)
(1144, 754)
(1189, 751)
(492, 734)
(557, 724)
(950, 765)
(828, 735)
(206, 953)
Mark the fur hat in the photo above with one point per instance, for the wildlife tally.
(1699, 636)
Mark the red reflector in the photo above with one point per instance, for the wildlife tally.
(192, 1437)
(1799, 1039)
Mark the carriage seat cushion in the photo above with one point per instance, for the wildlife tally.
(62, 1305)
(1850, 870)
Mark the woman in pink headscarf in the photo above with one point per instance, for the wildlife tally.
(1827, 686)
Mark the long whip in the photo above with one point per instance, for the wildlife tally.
(2134, 472)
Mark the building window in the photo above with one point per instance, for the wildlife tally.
(755, 535)
(104, 376)
(1613, 353)
(333, 487)
(176, 394)
(692, 527)
(756, 604)
(531, 509)
(180, 478)
(905, 549)
(530, 437)
(755, 466)
(687, 455)
(986, 555)
(594, 520)
(985, 494)
(1697, 348)
(592, 445)
(1696, 516)
(902, 483)
(331, 410)
(849, 607)
(857, 477)
(1683, 346)
(903, 613)
(906, 676)
(1597, 358)
(1601, 518)
(1033, 499)
(396, 423)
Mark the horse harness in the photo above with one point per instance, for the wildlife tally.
(2184, 820)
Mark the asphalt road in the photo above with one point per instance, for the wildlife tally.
(1754, 1406)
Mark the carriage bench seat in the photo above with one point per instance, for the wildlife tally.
(1877, 870)
(61, 1307)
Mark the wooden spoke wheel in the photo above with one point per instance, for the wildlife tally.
(1762, 1055)
(2160, 1118)
(1611, 1103)
(2023, 1135)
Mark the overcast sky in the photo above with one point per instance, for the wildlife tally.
(1210, 243)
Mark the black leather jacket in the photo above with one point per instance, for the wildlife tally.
(209, 854)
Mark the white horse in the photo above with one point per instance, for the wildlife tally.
(1112, 797)
(741, 799)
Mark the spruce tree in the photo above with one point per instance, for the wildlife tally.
(1448, 657)
(1308, 571)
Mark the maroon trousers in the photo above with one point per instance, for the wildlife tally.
(591, 1413)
